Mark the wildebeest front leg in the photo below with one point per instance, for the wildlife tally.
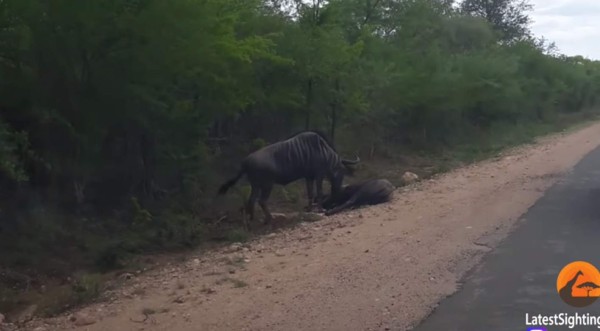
(252, 201)
(265, 192)
(310, 183)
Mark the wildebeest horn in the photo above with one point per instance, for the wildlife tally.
(351, 162)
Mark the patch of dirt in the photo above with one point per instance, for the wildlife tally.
(385, 266)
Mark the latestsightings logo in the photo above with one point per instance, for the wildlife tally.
(578, 284)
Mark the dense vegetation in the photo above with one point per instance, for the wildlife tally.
(119, 118)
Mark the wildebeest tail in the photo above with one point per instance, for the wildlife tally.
(228, 184)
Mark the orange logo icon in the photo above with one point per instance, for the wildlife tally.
(578, 284)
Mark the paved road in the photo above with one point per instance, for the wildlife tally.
(519, 276)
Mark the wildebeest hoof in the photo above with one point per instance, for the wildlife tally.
(319, 210)
(279, 217)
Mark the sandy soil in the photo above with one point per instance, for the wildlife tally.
(377, 268)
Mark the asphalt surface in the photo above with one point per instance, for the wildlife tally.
(519, 276)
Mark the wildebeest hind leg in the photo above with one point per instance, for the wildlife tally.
(320, 194)
(310, 183)
(339, 208)
(265, 192)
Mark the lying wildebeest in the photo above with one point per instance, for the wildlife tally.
(307, 155)
(371, 192)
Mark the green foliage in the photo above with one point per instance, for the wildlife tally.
(12, 146)
(141, 216)
(258, 143)
(87, 287)
(237, 235)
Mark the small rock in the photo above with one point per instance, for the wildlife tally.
(40, 328)
(366, 251)
(271, 235)
(209, 290)
(27, 314)
(269, 286)
(82, 319)
(196, 262)
(232, 271)
(179, 300)
(279, 253)
(279, 216)
(126, 276)
(409, 178)
(305, 237)
(235, 247)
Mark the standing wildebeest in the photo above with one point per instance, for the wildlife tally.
(371, 192)
(307, 155)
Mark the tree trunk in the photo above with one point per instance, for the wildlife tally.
(334, 110)
(333, 122)
(147, 153)
(308, 103)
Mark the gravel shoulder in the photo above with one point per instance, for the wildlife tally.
(376, 268)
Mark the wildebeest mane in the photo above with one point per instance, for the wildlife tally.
(318, 132)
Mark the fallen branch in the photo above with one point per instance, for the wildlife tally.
(220, 220)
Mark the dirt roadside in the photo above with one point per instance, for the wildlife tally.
(377, 268)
